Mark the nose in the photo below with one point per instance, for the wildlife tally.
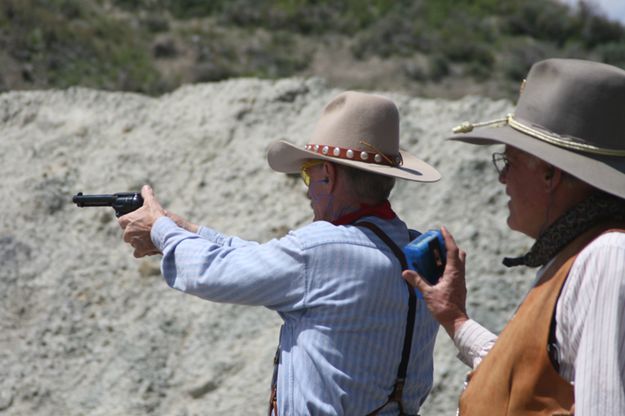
(502, 175)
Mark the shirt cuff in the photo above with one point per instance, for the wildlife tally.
(160, 229)
(209, 234)
(473, 342)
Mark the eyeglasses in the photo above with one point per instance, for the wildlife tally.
(307, 165)
(500, 160)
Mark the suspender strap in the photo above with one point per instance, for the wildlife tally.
(273, 396)
(552, 345)
(398, 388)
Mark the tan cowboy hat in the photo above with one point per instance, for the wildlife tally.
(571, 114)
(358, 130)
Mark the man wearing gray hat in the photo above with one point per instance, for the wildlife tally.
(564, 170)
(355, 339)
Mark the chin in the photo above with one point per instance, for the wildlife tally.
(515, 227)
(512, 224)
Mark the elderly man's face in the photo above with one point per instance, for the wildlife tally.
(524, 178)
(320, 198)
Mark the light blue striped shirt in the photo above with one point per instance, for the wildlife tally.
(341, 296)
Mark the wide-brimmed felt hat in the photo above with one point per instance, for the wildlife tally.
(358, 130)
(571, 114)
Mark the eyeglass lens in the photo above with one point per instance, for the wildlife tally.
(500, 161)
(304, 171)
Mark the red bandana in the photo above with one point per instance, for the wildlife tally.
(382, 210)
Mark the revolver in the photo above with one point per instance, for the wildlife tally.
(122, 202)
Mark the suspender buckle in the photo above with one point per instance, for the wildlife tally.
(398, 390)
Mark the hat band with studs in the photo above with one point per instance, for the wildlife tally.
(357, 155)
(549, 137)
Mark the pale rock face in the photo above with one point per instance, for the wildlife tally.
(87, 329)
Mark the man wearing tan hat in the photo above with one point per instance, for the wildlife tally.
(355, 339)
(564, 170)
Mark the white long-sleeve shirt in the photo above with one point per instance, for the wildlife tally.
(590, 329)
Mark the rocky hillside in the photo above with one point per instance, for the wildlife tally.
(89, 330)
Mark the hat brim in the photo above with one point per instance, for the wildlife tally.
(287, 158)
(606, 173)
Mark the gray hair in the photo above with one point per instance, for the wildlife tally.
(368, 186)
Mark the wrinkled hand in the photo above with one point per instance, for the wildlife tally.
(138, 224)
(446, 300)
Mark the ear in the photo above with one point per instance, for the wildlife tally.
(330, 173)
(552, 178)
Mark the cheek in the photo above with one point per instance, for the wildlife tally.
(523, 201)
(517, 186)
(518, 197)
(526, 207)
(316, 198)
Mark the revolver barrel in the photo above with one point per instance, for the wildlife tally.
(122, 202)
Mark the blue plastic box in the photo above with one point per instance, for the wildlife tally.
(427, 255)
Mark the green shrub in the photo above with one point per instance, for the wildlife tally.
(549, 21)
(612, 53)
(68, 42)
(520, 54)
(596, 30)
(79, 42)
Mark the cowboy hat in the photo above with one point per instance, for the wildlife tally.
(357, 130)
(571, 114)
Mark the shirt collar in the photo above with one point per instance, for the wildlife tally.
(382, 210)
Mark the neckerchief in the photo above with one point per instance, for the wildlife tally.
(382, 210)
(596, 208)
